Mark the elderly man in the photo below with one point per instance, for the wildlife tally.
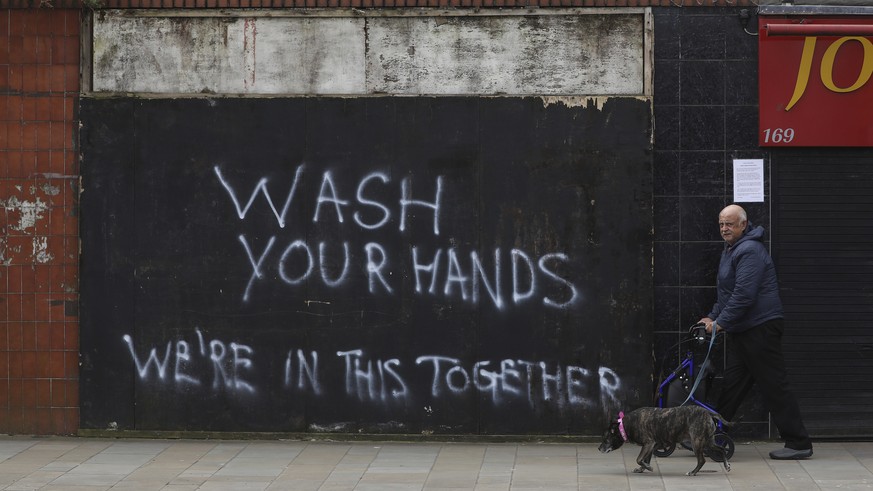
(749, 310)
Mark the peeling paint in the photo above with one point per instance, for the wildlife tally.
(576, 101)
(3, 259)
(12, 249)
(50, 190)
(58, 175)
(30, 212)
(590, 102)
(40, 250)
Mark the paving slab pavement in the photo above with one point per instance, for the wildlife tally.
(56, 463)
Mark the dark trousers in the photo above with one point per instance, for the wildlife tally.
(755, 356)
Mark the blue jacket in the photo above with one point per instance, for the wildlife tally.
(748, 293)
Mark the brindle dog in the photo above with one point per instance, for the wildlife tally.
(659, 428)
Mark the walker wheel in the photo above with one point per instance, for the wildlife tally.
(666, 451)
(727, 444)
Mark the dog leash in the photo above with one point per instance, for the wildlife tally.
(703, 366)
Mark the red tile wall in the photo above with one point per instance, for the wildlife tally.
(39, 329)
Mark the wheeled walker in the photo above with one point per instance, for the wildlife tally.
(681, 385)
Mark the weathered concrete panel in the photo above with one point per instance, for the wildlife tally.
(580, 54)
(597, 54)
(226, 55)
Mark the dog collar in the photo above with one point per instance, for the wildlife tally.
(621, 426)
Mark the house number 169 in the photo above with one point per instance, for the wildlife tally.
(778, 135)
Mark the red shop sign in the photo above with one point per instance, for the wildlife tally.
(814, 82)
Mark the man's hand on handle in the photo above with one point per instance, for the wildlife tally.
(709, 323)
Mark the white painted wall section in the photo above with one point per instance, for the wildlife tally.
(574, 54)
(228, 55)
(242, 52)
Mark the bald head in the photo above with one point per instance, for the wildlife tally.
(732, 223)
(734, 210)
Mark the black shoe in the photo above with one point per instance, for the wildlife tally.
(790, 454)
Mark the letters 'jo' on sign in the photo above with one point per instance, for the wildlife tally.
(814, 89)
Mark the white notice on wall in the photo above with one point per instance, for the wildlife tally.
(748, 180)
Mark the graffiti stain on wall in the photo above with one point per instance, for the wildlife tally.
(222, 366)
(445, 272)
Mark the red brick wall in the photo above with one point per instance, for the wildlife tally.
(39, 330)
(372, 3)
(410, 3)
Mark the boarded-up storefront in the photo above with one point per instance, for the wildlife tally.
(386, 223)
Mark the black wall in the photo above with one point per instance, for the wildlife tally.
(706, 115)
(204, 308)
